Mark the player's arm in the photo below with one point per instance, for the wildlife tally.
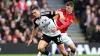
(51, 14)
(66, 24)
(34, 31)
(60, 14)
(55, 13)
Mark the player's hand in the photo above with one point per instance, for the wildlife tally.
(29, 42)
(62, 18)
(54, 29)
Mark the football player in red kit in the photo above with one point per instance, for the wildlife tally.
(64, 23)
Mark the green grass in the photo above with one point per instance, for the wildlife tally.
(36, 55)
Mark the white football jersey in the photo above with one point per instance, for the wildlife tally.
(46, 24)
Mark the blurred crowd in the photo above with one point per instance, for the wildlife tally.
(88, 13)
(15, 21)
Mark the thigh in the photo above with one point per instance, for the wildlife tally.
(72, 46)
(42, 44)
(64, 37)
(46, 38)
(44, 41)
(69, 41)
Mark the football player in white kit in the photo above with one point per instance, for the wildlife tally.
(44, 21)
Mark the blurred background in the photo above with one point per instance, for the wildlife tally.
(16, 25)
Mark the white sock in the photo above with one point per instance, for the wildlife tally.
(39, 54)
(73, 54)
(54, 48)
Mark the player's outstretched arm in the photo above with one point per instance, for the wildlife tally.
(66, 24)
(52, 14)
(34, 31)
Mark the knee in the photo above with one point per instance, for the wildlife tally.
(73, 49)
(40, 49)
(64, 53)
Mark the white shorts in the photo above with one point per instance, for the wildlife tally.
(66, 39)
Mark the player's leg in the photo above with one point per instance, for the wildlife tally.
(43, 43)
(54, 48)
(39, 34)
(72, 46)
(60, 44)
(41, 47)
(62, 49)
(68, 42)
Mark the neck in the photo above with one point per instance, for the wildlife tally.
(69, 12)
(39, 17)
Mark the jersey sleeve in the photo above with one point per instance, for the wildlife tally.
(49, 14)
(66, 23)
(35, 25)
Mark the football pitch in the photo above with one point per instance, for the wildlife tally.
(36, 55)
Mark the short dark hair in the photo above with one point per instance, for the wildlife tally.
(70, 3)
(34, 7)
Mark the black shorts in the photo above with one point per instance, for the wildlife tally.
(57, 39)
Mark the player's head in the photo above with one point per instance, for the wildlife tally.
(69, 7)
(35, 10)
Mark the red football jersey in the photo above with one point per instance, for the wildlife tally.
(63, 24)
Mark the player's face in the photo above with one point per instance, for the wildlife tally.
(36, 13)
(69, 9)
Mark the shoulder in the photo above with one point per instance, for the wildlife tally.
(49, 14)
(45, 13)
(62, 9)
(44, 17)
(72, 16)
